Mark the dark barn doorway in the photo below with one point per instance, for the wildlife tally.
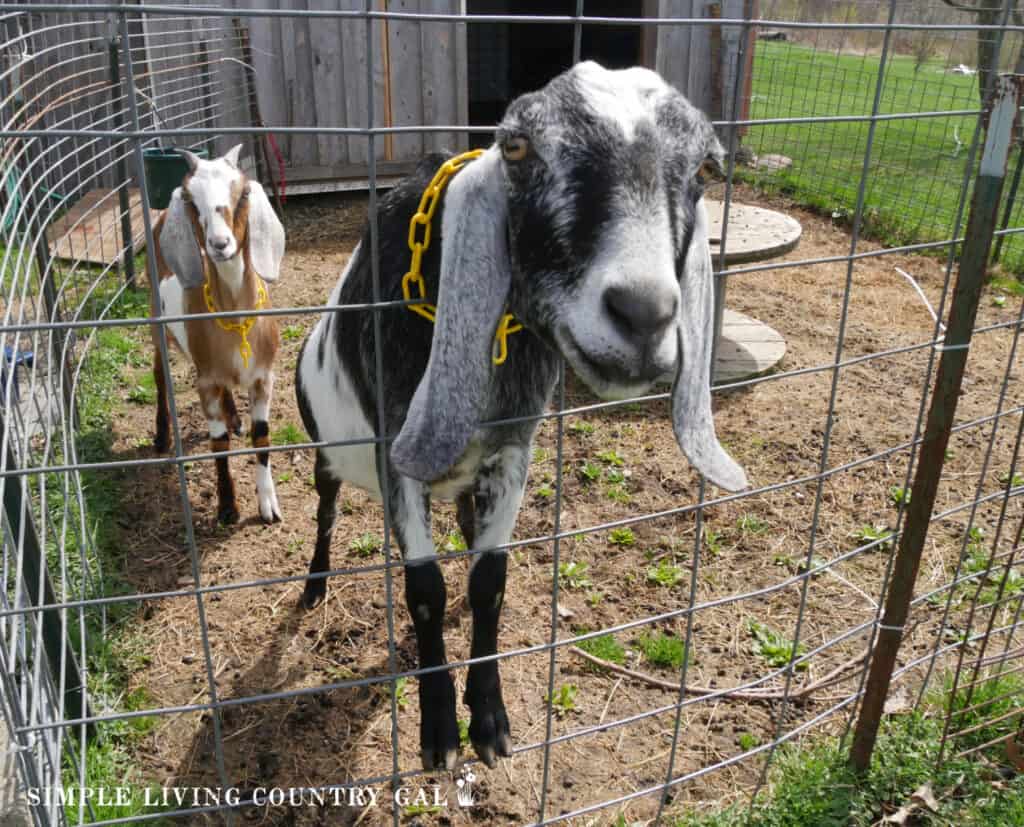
(507, 59)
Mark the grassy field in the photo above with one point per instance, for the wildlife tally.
(115, 648)
(917, 165)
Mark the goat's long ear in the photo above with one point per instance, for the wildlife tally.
(475, 276)
(179, 245)
(266, 235)
(691, 394)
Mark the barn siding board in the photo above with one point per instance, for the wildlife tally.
(354, 55)
(405, 80)
(314, 73)
(672, 59)
(462, 80)
(329, 86)
(299, 69)
(701, 61)
(265, 36)
(442, 97)
(734, 10)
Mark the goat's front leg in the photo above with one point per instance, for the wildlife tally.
(220, 440)
(498, 495)
(259, 400)
(425, 596)
(327, 487)
(162, 433)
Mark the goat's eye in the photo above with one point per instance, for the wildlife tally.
(245, 193)
(515, 149)
(186, 196)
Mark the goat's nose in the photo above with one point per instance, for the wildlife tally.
(220, 243)
(639, 314)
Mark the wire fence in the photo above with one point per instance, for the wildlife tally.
(662, 644)
(918, 164)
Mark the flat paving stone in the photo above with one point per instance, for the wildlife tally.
(747, 348)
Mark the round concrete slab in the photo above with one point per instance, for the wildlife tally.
(754, 233)
(746, 348)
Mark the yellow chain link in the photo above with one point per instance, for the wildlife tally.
(242, 326)
(423, 218)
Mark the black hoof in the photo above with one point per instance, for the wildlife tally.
(314, 593)
(161, 443)
(488, 725)
(227, 515)
(439, 728)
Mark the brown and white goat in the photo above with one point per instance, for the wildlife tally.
(220, 234)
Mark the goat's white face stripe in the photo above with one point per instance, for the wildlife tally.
(635, 255)
(626, 96)
(211, 187)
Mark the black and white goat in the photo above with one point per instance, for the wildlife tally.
(585, 219)
(217, 243)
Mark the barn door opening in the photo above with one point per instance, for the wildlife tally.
(508, 59)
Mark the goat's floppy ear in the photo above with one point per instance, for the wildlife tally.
(691, 394)
(265, 233)
(179, 245)
(475, 276)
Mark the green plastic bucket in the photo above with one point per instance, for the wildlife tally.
(164, 169)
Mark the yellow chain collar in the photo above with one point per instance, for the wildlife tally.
(243, 325)
(423, 217)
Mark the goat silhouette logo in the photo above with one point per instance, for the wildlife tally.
(464, 794)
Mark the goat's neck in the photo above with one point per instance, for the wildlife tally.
(232, 283)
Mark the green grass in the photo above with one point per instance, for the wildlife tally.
(751, 524)
(611, 457)
(899, 496)
(115, 649)
(622, 537)
(870, 533)
(811, 784)
(287, 434)
(573, 575)
(662, 649)
(452, 543)
(915, 172)
(144, 392)
(366, 545)
(563, 700)
(605, 647)
(666, 574)
(773, 646)
(292, 332)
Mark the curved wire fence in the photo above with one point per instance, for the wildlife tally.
(662, 642)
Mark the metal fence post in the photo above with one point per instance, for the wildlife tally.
(124, 200)
(966, 297)
(1010, 199)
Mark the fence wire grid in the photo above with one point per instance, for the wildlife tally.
(662, 643)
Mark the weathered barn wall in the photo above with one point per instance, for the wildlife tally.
(312, 72)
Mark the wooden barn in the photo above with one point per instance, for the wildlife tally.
(214, 72)
(313, 71)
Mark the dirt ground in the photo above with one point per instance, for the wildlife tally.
(262, 643)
